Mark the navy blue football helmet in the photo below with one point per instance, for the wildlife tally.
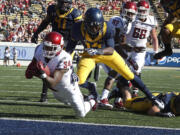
(64, 5)
(93, 21)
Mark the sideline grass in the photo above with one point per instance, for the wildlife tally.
(19, 96)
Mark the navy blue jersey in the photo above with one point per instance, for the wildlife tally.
(62, 23)
(168, 99)
(104, 39)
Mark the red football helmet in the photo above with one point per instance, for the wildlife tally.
(52, 45)
(143, 9)
(130, 11)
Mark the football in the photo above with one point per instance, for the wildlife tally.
(47, 70)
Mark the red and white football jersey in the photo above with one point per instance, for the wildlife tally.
(140, 31)
(62, 61)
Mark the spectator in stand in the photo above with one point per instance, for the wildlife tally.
(21, 16)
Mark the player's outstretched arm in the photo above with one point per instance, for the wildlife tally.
(41, 27)
(53, 81)
(155, 111)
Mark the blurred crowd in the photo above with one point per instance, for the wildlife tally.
(19, 18)
(109, 5)
(17, 29)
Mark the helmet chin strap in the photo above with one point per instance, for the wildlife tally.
(93, 36)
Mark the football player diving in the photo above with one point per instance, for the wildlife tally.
(170, 27)
(54, 66)
(97, 38)
(61, 17)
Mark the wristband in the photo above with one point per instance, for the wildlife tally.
(43, 76)
(100, 51)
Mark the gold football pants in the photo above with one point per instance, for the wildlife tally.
(114, 61)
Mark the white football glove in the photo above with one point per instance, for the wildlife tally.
(168, 114)
(158, 103)
(92, 51)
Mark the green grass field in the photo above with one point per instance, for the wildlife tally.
(19, 99)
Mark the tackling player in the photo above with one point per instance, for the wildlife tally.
(170, 28)
(97, 38)
(61, 17)
(54, 66)
(171, 102)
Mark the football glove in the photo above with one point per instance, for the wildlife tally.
(159, 103)
(168, 114)
(34, 38)
(43, 71)
(92, 51)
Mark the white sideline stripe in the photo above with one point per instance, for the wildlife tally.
(83, 123)
(46, 103)
(14, 69)
(22, 81)
(7, 91)
(31, 86)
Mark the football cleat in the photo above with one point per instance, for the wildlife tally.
(95, 106)
(163, 53)
(104, 103)
(118, 103)
(93, 90)
(43, 97)
(135, 92)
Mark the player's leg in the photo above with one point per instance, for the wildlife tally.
(139, 58)
(117, 63)
(85, 66)
(123, 91)
(138, 104)
(80, 106)
(167, 33)
(44, 93)
(108, 84)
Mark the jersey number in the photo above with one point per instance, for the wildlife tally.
(67, 64)
(139, 33)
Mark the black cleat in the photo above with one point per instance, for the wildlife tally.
(163, 53)
(43, 97)
(93, 90)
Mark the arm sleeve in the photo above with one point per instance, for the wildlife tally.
(77, 15)
(46, 21)
(30, 71)
(110, 38)
(73, 40)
